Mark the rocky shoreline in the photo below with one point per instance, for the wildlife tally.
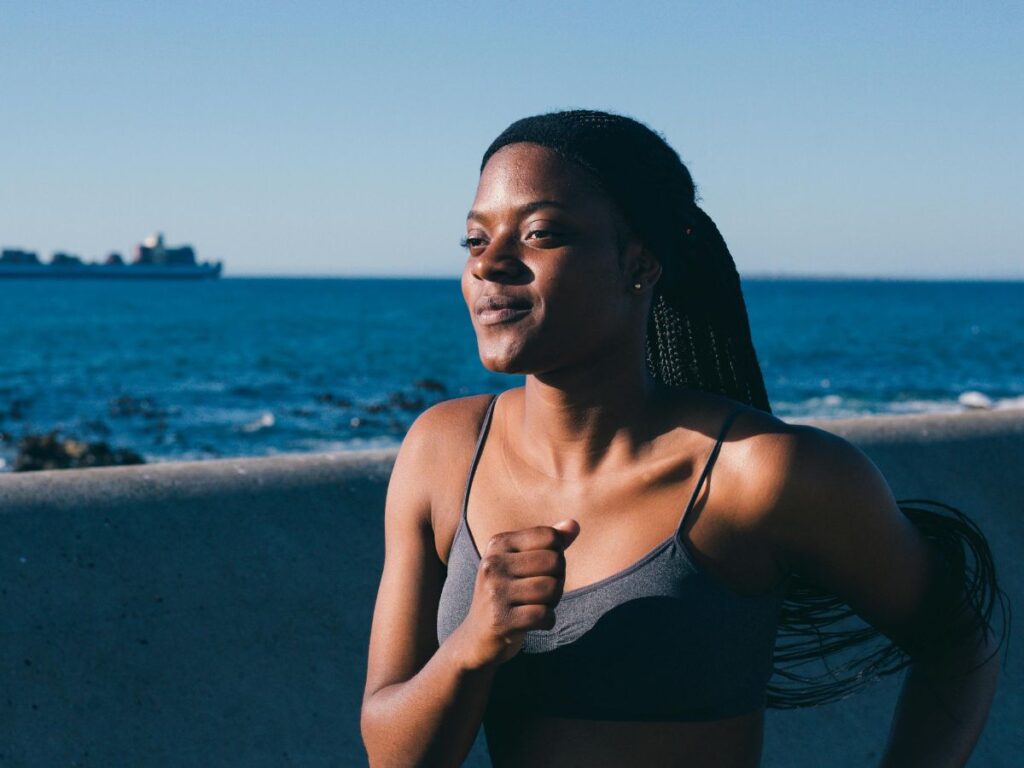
(52, 451)
(90, 445)
(138, 428)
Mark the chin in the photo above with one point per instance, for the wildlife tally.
(499, 358)
(502, 364)
(518, 361)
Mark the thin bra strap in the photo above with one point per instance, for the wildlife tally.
(707, 466)
(484, 427)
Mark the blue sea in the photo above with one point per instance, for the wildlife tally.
(258, 366)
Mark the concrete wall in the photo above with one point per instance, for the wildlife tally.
(216, 613)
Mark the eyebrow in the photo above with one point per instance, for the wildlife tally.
(524, 209)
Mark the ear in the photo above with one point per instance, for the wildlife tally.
(640, 267)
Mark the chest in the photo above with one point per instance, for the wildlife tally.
(621, 518)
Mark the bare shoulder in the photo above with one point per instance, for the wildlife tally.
(800, 465)
(808, 492)
(450, 419)
(788, 468)
(770, 468)
(754, 445)
(434, 459)
(443, 430)
(757, 454)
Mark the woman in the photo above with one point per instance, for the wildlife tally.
(596, 565)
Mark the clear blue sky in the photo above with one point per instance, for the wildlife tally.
(344, 138)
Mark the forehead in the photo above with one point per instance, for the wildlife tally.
(519, 174)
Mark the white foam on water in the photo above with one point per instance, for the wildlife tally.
(352, 444)
(1009, 403)
(924, 406)
(265, 421)
(974, 399)
(837, 407)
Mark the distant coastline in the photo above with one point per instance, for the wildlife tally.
(757, 277)
(152, 260)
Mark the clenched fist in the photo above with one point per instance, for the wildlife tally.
(518, 584)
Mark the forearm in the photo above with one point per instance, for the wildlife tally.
(430, 719)
(938, 720)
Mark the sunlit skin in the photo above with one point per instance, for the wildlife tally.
(539, 228)
(585, 470)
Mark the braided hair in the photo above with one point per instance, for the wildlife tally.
(698, 337)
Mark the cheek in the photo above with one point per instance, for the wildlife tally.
(466, 286)
(584, 295)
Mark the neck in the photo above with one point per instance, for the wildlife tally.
(591, 417)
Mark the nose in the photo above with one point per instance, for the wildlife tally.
(499, 261)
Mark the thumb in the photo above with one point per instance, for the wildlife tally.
(569, 529)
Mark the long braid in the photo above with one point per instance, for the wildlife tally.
(698, 337)
(716, 342)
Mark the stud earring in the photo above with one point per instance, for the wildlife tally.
(637, 286)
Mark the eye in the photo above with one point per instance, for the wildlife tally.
(544, 233)
(471, 242)
(539, 234)
(542, 237)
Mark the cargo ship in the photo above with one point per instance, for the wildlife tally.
(152, 260)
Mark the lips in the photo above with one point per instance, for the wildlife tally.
(499, 308)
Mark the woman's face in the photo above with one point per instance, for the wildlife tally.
(544, 280)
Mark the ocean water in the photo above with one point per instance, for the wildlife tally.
(252, 367)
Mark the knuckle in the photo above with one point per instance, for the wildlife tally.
(539, 616)
(542, 587)
(497, 542)
(550, 537)
(490, 566)
(524, 617)
(553, 561)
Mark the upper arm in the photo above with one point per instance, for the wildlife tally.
(403, 635)
(835, 520)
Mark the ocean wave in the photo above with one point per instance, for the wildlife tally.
(1009, 403)
(838, 407)
(265, 421)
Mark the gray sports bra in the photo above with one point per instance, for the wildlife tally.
(660, 640)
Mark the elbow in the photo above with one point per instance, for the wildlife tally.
(370, 727)
(391, 743)
(382, 735)
(973, 655)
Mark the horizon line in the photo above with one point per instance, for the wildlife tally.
(750, 276)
